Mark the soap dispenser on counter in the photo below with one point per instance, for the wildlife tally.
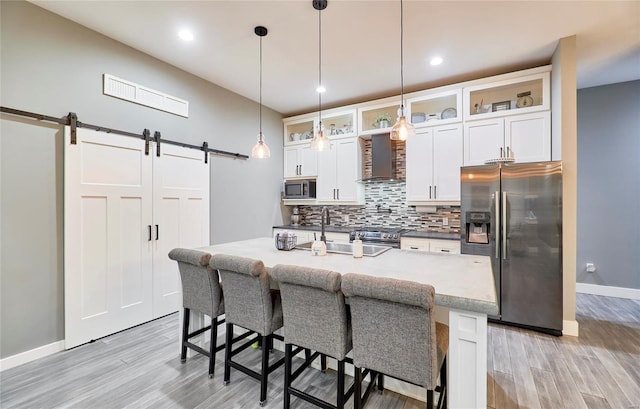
(357, 248)
(318, 248)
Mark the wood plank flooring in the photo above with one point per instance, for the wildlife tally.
(139, 368)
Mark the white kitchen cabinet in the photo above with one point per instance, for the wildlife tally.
(339, 123)
(430, 245)
(369, 115)
(444, 246)
(339, 169)
(434, 157)
(299, 129)
(433, 109)
(124, 211)
(300, 161)
(336, 123)
(527, 138)
(511, 96)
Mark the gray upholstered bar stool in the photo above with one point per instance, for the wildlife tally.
(315, 318)
(249, 304)
(200, 293)
(395, 333)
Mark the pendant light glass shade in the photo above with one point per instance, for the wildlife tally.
(320, 142)
(402, 129)
(260, 149)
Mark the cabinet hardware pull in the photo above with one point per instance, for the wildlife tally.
(149, 232)
(435, 192)
(508, 152)
(157, 232)
(429, 191)
(501, 152)
(504, 225)
(445, 250)
(338, 194)
(414, 248)
(497, 221)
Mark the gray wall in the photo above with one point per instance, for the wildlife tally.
(51, 65)
(609, 184)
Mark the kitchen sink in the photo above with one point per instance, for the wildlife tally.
(370, 250)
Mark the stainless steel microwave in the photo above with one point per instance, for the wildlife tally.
(300, 189)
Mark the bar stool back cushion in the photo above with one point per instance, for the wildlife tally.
(248, 301)
(315, 310)
(394, 331)
(200, 284)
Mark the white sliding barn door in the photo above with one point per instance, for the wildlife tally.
(107, 254)
(180, 217)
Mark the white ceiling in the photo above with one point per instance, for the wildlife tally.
(361, 42)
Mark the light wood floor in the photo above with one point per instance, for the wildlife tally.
(139, 368)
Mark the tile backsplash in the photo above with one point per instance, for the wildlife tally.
(380, 198)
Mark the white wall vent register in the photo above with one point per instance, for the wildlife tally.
(129, 91)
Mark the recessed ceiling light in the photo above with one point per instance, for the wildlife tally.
(436, 61)
(186, 35)
(320, 89)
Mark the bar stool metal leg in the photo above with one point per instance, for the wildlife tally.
(185, 335)
(265, 369)
(212, 346)
(227, 353)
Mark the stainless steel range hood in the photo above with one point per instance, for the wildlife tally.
(382, 163)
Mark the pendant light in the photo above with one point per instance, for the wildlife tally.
(402, 129)
(320, 142)
(260, 150)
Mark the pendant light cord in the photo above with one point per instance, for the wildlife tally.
(261, 87)
(320, 65)
(401, 57)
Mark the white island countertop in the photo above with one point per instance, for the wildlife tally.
(463, 282)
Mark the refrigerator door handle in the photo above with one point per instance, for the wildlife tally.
(504, 225)
(497, 228)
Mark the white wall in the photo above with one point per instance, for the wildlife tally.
(51, 65)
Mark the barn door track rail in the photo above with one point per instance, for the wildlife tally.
(71, 120)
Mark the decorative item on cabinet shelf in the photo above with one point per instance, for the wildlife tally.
(501, 106)
(382, 120)
(418, 117)
(524, 99)
(448, 113)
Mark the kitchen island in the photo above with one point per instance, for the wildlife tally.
(464, 285)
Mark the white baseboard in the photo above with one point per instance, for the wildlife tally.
(570, 327)
(31, 355)
(619, 292)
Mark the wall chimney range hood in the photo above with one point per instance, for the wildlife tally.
(382, 163)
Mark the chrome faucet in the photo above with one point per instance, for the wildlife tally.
(322, 222)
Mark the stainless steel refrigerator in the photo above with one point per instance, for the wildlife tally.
(513, 213)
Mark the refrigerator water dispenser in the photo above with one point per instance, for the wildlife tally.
(478, 226)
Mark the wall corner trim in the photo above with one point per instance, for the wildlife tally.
(608, 291)
(570, 328)
(31, 355)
